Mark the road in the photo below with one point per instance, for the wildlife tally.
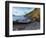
(30, 26)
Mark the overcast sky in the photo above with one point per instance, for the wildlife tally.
(18, 11)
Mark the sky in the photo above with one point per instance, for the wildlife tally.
(19, 11)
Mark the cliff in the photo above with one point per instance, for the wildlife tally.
(35, 15)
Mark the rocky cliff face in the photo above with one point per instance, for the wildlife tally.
(35, 15)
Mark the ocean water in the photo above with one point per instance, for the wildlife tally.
(19, 18)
